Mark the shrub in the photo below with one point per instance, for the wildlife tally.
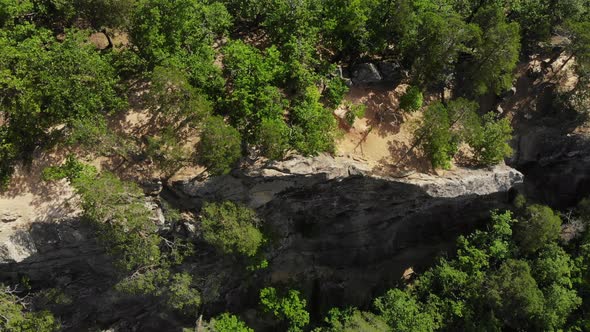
(231, 228)
(412, 100)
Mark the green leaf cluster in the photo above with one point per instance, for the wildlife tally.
(231, 228)
(289, 308)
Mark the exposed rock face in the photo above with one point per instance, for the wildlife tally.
(556, 163)
(380, 72)
(339, 234)
(366, 73)
(344, 234)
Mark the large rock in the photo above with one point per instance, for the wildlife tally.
(366, 73)
(556, 164)
(341, 233)
(390, 71)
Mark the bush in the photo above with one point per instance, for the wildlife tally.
(289, 308)
(436, 138)
(231, 228)
(220, 146)
(229, 323)
(353, 112)
(412, 100)
(335, 92)
(489, 141)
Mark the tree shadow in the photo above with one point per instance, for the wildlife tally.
(403, 161)
(382, 111)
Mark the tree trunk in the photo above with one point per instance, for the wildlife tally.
(105, 33)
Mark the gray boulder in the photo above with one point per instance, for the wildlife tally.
(366, 73)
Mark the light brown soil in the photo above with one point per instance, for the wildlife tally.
(29, 199)
(383, 137)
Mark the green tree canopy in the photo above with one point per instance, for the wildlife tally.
(220, 146)
(289, 308)
(231, 228)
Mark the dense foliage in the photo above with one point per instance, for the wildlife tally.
(231, 228)
(251, 78)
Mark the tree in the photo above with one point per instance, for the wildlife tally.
(289, 308)
(403, 313)
(123, 221)
(273, 138)
(180, 34)
(251, 94)
(16, 319)
(313, 125)
(351, 320)
(443, 35)
(48, 86)
(489, 140)
(181, 296)
(542, 226)
(435, 137)
(220, 146)
(345, 26)
(513, 295)
(229, 323)
(231, 228)
(494, 54)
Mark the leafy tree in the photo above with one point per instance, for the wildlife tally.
(220, 146)
(12, 11)
(403, 313)
(118, 210)
(313, 125)
(495, 51)
(513, 294)
(580, 46)
(231, 228)
(435, 137)
(247, 12)
(16, 319)
(273, 138)
(176, 102)
(395, 23)
(335, 91)
(180, 34)
(181, 296)
(542, 226)
(289, 308)
(351, 320)
(229, 323)
(252, 97)
(489, 140)
(48, 84)
(443, 35)
(345, 25)
(411, 100)
(553, 266)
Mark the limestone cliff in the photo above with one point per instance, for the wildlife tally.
(336, 232)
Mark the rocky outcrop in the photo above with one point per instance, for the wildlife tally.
(337, 233)
(556, 163)
(372, 73)
(343, 234)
